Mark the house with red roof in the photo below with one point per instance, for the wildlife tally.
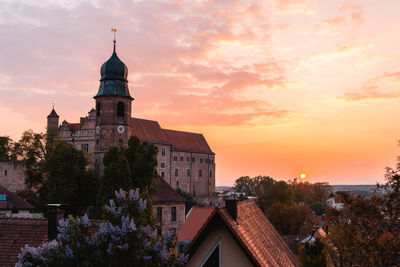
(237, 235)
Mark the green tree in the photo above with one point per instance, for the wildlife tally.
(318, 208)
(310, 192)
(133, 167)
(6, 148)
(55, 172)
(279, 191)
(290, 219)
(249, 186)
(68, 179)
(313, 254)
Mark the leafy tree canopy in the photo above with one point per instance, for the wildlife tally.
(249, 186)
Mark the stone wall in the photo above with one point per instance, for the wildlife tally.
(12, 175)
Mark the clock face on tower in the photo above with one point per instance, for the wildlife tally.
(97, 129)
(121, 128)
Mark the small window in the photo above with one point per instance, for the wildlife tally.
(188, 159)
(163, 151)
(181, 158)
(212, 161)
(162, 174)
(177, 183)
(5, 172)
(120, 142)
(176, 173)
(120, 109)
(201, 160)
(193, 160)
(200, 173)
(85, 147)
(188, 172)
(175, 158)
(162, 164)
(210, 174)
(98, 106)
(97, 141)
(173, 214)
(159, 214)
(173, 230)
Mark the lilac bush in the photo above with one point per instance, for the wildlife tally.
(127, 238)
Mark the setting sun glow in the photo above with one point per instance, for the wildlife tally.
(303, 176)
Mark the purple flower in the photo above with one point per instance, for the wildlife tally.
(142, 204)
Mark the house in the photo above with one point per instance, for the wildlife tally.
(168, 206)
(11, 203)
(237, 235)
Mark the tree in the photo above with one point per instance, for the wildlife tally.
(279, 191)
(366, 231)
(127, 238)
(310, 192)
(67, 179)
(290, 219)
(127, 168)
(313, 254)
(6, 148)
(55, 172)
(249, 186)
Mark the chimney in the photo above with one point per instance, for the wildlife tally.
(231, 207)
(53, 215)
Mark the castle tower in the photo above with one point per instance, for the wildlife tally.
(113, 109)
(52, 124)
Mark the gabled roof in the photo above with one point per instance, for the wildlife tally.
(150, 131)
(14, 201)
(196, 218)
(253, 232)
(15, 233)
(165, 193)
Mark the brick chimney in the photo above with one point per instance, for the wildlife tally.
(231, 207)
(54, 214)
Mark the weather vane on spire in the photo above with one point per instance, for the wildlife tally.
(114, 30)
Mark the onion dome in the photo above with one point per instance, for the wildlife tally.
(113, 81)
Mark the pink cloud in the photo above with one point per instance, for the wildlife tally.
(385, 86)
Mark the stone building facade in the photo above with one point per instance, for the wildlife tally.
(12, 175)
(185, 160)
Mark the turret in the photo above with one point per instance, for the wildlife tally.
(52, 121)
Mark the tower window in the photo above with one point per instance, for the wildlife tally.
(162, 164)
(85, 147)
(120, 142)
(162, 151)
(188, 172)
(210, 174)
(98, 106)
(181, 158)
(176, 173)
(120, 109)
(200, 173)
(175, 158)
(162, 174)
(5, 172)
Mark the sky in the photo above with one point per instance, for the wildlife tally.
(277, 87)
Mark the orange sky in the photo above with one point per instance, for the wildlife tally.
(277, 87)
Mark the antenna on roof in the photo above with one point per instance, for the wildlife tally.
(114, 30)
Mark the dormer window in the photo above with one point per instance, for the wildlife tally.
(120, 109)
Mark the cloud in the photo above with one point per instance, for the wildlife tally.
(382, 87)
(182, 56)
(350, 18)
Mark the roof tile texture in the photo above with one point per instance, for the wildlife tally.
(15, 233)
(260, 237)
(165, 193)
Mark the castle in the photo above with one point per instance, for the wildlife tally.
(185, 160)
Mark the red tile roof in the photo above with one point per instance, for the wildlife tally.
(195, 220)
(74, 126)
(150, 131)
(15, 233)
(14, 201)
(165, 193)
(255, 234)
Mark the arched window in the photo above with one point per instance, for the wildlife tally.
(98, 106)
(120, 109)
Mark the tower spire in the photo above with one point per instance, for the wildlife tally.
(114, 30)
